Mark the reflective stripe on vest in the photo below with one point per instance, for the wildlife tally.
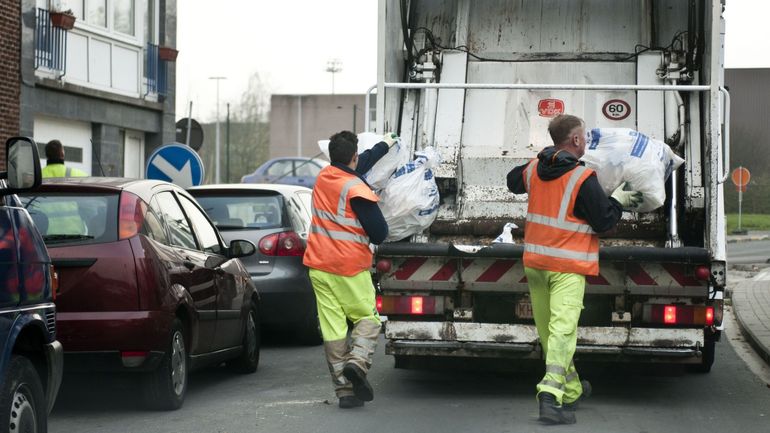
(553, 228)
(339, 235)
(528, 174)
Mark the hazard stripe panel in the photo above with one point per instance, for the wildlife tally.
(481, 273)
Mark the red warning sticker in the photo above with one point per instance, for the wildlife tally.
(616, 109)
(550, 107)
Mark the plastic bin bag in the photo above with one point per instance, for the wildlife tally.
(410, 199)
(623, 155)
(378, 176)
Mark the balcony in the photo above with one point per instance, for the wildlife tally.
(155, 72)
(50, 45)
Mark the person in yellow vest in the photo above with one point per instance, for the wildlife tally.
(345, 220)
(566, 209)
(54, 154)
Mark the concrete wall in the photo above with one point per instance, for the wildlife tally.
(322, 116)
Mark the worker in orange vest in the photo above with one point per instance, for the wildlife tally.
(566, 209)
(345, 220)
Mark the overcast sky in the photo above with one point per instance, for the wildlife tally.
(289, 42)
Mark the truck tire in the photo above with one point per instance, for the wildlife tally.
(248, 360)
(707, 360)
(165, 388)
(403, 361)
(22, 405)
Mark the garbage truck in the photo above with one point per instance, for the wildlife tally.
(479, 82)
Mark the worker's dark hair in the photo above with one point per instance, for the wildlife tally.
(561, 126)
(53, 149)
(342, 146)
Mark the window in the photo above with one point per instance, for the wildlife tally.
(96, 12)
(280, 168)
(244, 212)
(299, 210)
(178, 227)
(69, 219)
(207, 235)
(123, 16)
(306, 168)
(149, 22)
(153, 229)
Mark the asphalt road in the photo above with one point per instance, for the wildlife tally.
(743, 253)
(291, 392)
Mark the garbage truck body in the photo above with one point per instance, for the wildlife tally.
(479, 82)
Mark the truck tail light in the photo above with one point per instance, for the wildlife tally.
(410, 305)
(674, 315)
(131, 216)
(282, 244)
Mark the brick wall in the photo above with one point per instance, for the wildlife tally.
(10, 73)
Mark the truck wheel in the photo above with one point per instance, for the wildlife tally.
(22, 404)
(708, 350)
(403, 361)
(165, 388)
(248, 360)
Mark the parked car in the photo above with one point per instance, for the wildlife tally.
(288, 171)
(146, 283)
(30, 355)
(277, 219)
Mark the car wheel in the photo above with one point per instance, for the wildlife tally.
(248, 360)
(22, 404)
(309, 332)
(165, 388)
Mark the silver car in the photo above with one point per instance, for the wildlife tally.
(277, 219)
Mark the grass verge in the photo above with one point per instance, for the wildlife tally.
(749, 221)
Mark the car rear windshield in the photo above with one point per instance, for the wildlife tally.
(74, 219)
(244, 212)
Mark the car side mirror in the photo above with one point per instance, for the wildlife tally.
(241, 248)
(23, 165)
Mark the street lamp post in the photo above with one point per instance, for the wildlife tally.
(217, 178)
(333, 66)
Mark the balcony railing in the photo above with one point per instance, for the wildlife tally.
(50, 44)
(155, 71)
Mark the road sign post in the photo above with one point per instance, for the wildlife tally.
(740, 177)
(176, 163)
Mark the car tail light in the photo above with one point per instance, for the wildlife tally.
(131, 217)
(679, 314)
(282, 244)
(414, 305)
(54, 281)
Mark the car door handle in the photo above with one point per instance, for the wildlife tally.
(188, 264)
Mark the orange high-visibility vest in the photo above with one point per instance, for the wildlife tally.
(337, 243)
(554, 238)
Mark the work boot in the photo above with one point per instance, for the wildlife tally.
(552, 413)
(361, 387)
(350, 402)
(586, 393)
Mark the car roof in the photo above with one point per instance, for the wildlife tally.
(144, 188)
(277, 187)
(317, 159)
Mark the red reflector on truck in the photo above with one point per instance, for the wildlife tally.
(669, 315)
(709, 316)
(416, 305)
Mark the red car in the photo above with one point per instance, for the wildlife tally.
(146, 283)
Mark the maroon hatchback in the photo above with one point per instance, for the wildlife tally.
(146, 283)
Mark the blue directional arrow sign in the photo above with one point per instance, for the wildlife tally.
(175, 163)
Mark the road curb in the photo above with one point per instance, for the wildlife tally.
(748, 239)
(741, 302)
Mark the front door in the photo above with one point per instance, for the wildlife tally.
(133, 155)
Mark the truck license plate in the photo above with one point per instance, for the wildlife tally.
(524, 309)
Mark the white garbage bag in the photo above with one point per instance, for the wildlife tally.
(623, 155)
(410, 199)
(379, 174)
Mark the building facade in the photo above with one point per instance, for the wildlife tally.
(10, 77)
(297, 122)
(101, 87)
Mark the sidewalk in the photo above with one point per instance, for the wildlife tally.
(753, 235)
(751, 303)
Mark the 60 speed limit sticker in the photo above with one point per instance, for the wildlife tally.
(616, 109)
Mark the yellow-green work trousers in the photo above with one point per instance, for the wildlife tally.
(340, 299)
(557, 299)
